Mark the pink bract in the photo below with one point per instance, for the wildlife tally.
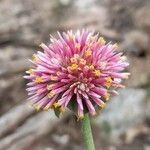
(77, 68)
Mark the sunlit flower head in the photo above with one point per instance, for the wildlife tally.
(77, 70)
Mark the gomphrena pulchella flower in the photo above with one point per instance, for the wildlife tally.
(78, 70)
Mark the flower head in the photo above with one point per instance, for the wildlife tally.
(78, 71)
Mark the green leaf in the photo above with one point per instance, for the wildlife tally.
(73, 104)
(57, 112)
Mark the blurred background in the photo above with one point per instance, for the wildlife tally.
(24, 24)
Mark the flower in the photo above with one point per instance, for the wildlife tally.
(78, 70)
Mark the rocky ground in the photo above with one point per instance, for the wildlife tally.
(124, 124)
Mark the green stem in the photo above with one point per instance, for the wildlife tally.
(87, 133)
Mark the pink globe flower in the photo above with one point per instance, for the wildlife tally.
(78, 70)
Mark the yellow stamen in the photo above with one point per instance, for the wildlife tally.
(77, 45)
(108, 79)
(115, 46)
(107, 96)
(103, 105)
(76, 56)
(74, 66)
(46, 108)
(53, 78)
(51, 94)
(56, 104)
(82, 61)
(49, 87)
(38, 79)
(89, 45)
(30, 71)
(88, 53)
(80, 117)
(71, 37)
(108, 84)
(36, 107)
(97, 73)
(73, 60)
(69, 69)
(101, 41)
(92, 67)
(62, 109)
(34, 58)
(41, 45)
(91, 39)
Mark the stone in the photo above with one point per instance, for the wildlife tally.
(62, 140)
(146, 147)
(27, 22)
(136, 42)
(142, 18)
(10, 53)
(123, 111)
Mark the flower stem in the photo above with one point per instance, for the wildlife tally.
(87, 133)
